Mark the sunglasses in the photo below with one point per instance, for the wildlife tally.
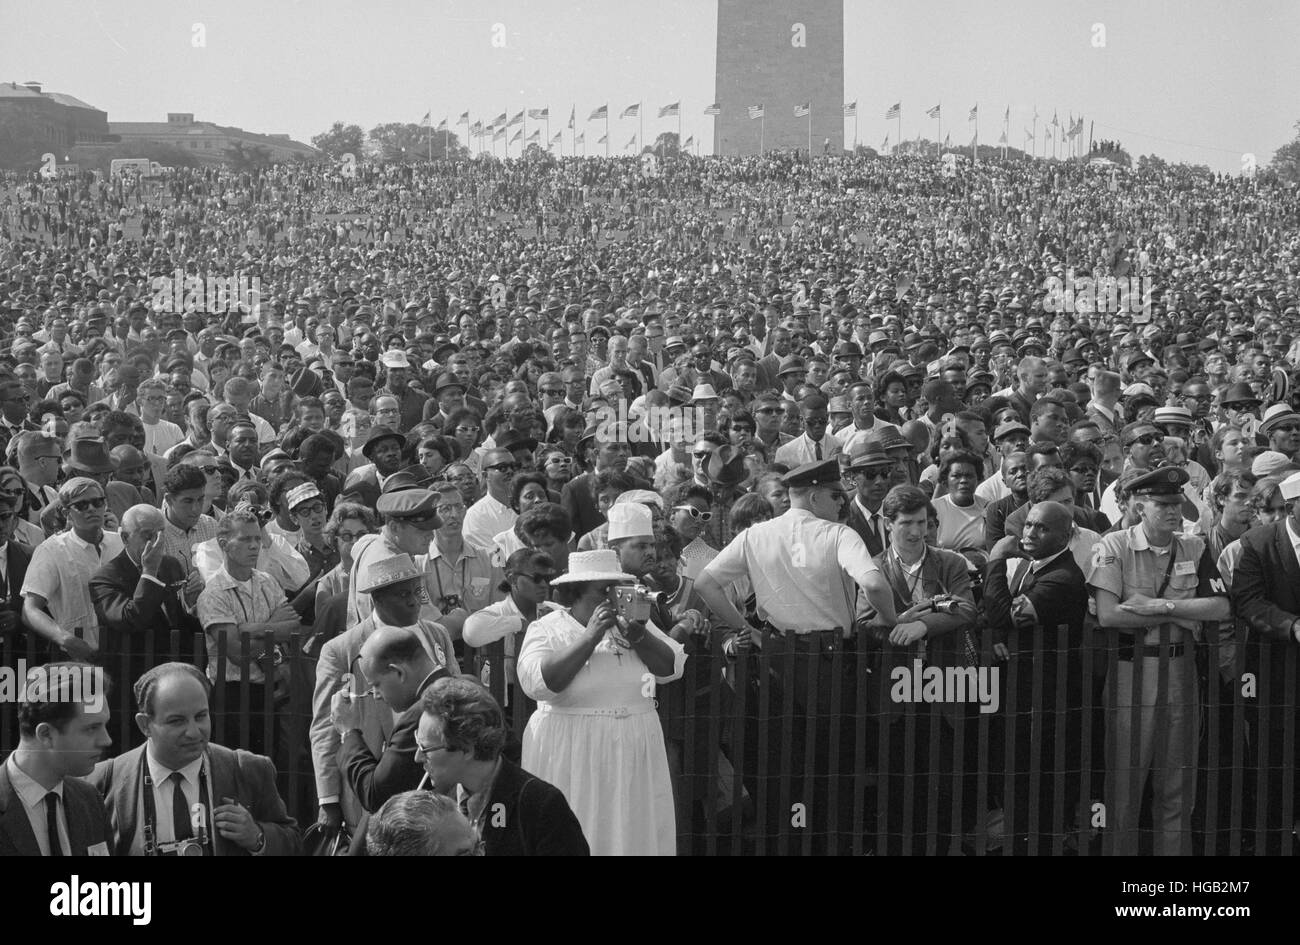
(1148, 439)
(873, 472)
(694, 513)
(87, 504)
(1288, 428)
(312, 508)
(503, 467)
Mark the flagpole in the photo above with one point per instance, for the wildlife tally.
(679, 127)
(810, 132)
(855, 127)
(640, 114)
(900, 129)
(938, 131)
(606, 131)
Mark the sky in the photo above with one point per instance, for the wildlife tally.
(1190, 80)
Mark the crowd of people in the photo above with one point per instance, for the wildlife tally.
(598, 421)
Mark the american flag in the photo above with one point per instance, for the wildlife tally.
(518, 135)
(714, 109)
(539, 114)
(442, 125)
(689, 141)
(602, 112)
(933, 112)
(974, 114)
(463, 119)
(573, 116)
(671, 111)
(632, 111)
(426, 120)
(517, 119)
(802, 111)
(755, 111)
(895, 111)
(850, 109)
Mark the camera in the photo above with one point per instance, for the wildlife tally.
(450, 602)
(633, 602)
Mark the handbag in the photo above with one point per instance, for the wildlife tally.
(320, 840)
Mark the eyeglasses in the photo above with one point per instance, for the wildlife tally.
(351, 536)
(1149, 439)
(503, 467)
(85, 505)
(538, 578)
(553, 391)
(212, 470)
(311, 508)
(873, 472)
(430, 749)
(694, 513)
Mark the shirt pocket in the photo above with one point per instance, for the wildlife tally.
(1181, 586)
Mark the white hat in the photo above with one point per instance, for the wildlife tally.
(394, 359)
(703, 392)
(643, 496)
(1290, 487)
(630, 520)
(599, 565)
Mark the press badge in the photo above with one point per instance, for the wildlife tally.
(1185, 567)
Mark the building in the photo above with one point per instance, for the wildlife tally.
(209, 142)
(64, 122)
(779, 54)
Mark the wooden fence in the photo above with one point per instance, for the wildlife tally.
(825, 748)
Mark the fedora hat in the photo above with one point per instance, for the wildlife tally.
(89, 456)
(377, 436)
(725, 466)
(388, 571)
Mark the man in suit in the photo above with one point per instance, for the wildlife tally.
(399, 668)
(369, 724)
(1036, 598)
(14, 559)
(870, 467)
(578, 497)
(179, 787)
(140, 596)
(1266, 593)
(384, 450)
(45, 810)
(460, 736)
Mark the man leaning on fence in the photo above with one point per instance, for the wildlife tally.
(1266, 591)
(1153, 589)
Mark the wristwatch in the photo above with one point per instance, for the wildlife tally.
(1169, 607)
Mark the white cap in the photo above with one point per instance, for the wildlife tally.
(394, 359)
(630, 520)
(1290, 487)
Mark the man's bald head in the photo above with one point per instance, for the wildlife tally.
(142, 516)
(1047, 530)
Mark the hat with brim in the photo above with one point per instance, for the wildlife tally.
(78, 488)
(377, 436)
(1277, 415)
(599, 565)
(629, 520)
(867, 455)
(89, 456)
(1290, 487)
(388, 571)
(1240, 394)
(305, 383)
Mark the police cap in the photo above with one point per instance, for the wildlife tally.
(1166, 481)
(822, 472)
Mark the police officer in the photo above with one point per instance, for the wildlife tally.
(1153, 589)
(806, 570)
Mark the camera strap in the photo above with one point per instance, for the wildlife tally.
(151, 842)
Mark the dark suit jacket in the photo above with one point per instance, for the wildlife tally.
(579, 499)
(248, 778)
(995, 518)
(128, 606)
(1058, 593)
(535, 820)
(375, 780)
(1266, 595)
(858, 522)
(19, 557)
(87, 824)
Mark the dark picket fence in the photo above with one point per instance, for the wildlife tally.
(824, 751)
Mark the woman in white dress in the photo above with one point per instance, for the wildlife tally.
(595, 734)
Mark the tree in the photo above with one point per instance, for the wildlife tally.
(341, 139)
(1286, 160)
(405, 143)
(22, 142)
(667, 145)
(243, 158)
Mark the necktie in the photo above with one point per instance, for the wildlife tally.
(1023, 577)
(180, 809)
(817, 450)
(52, 823)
